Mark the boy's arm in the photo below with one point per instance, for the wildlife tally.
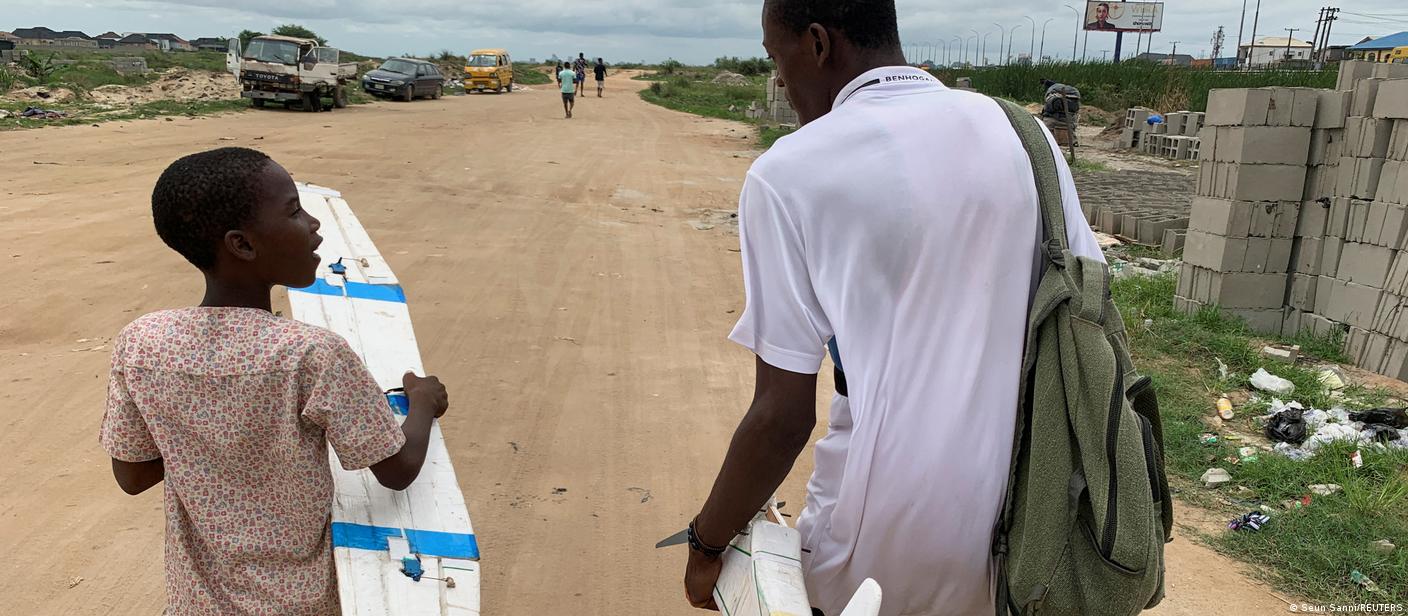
(428, 400)
(137, 477)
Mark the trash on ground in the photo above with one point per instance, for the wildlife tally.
(1332, 379)
(1216, 477)
(1252, 521)
(1287, 426)
(1363, 581)
(1325, 489)
(1397, 418)
(1247, 454)
(1222, 371)
(1382, 546)
(1270, 383)
(1207, 438)
(1356, 459)
(1302, 503)
(1224, 409)
(42, 114)
(1336, 424)
(1283, 354)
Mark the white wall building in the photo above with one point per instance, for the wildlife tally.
(1273, 50)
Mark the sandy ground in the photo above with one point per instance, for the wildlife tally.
(561, 285)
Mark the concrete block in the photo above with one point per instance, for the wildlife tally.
(1217, 253)
(1274, 219)
(1265, 182)
(1365, 264)
(1150, 231)
(1293, 107)
(1317, 324)
(1338, 222)
(1367, 137)
(1388, 70)
(1290, 326)
(1137, 117)
(1221, 217)
(1367, 172)
(1397, 282)
(1278, 258)
(1365, 94)
(1238, 107)
(1330, 251)
(1391, 182)
(1271, 145)
(1352, 71)
(1195, 123)
(1324, 290)
(1260, 320)
(1394, 229)
(1333, 108)
(1313, 220)
(1306, 254)
(1398, 142)
(1173, 242)
(1204, 186)
(1302, 292)
(1127, 225)
(1185, 280)
(1319, 147)
(1358, 218)
(1175, 122)
(1320, 181)
(1352, 304)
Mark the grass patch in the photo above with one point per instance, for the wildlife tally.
(1310, 551)
(87, 113)
(768, 135)
(1119, 86)
(529, 75)
(1085, 164)
(705, 98)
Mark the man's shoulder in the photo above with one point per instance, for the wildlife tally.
(226, 341)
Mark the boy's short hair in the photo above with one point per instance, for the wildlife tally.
(202, 196)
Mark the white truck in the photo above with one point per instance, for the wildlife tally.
(293, 71)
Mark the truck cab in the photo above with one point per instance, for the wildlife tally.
(290, 71)
(489, 69)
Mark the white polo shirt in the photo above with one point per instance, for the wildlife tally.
(904, 223)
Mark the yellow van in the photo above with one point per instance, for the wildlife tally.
(489, 69)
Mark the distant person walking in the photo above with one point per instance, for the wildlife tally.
(558, 73)
(600, 70)
(567, 79)
(579, 66)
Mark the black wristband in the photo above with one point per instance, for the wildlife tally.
(698, 545)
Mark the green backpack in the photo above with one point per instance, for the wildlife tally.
(1088, 507)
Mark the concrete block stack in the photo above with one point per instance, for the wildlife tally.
(1177, 137)
(1242, 229)
(779, 108)
(1344, 237)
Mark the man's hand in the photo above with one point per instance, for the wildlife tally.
(427, 391)
(700, 577)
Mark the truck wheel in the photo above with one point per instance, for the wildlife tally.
(339, 97)
(259, 102)
(410, 94)
(508, 88)
(311, 101)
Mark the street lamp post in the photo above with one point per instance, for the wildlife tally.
(975, 46)
(1000, 32)
(1042, 52)
(1012, 34)
(983, 49)
(945, 43)
(962, 49)
(1077, 37)
(1031, 51)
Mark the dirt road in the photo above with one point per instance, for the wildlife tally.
(561, 287)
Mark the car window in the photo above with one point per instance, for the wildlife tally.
(328, 55)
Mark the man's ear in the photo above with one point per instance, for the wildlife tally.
(238, 244)
(821, 43)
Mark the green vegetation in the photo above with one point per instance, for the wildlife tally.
(768, 135)
(1129, 84)
(750, 67)
(248, 35)
(692, 90)
(1309, 551)
(1085, 164)
(529, 75)
(297, 31)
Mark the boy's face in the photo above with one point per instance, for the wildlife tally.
(282, 238)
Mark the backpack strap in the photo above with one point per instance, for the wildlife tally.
(1055, 246)
(1048, 182)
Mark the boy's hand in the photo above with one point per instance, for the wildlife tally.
(427, 391)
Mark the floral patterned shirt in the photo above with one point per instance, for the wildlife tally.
(241, 405)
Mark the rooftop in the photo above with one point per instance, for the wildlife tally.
(1391, 41)
(1279, 41)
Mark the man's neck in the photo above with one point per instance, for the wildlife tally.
(862, 64)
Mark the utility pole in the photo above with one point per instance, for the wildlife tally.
(1240, 25)
(1217, 39)
(1104, 54)
(1076, 39)
(1042, 53)
(1171, 56)
(1332, 16)
(1290, 33)
(1315, 40)
(1256, 19)
(1119, 42)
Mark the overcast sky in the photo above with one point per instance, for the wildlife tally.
(693, 31)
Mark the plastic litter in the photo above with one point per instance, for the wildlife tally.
(1382, 546)
(1216, 477)
(1357, 459)
(1325, 489)
(1270, 383)
(1287, 426)
(1207, 438)
(1397, 418)
(1363, 581)
(1224, 409)
(1247, 454)
(1332, 379)
(1252, 521)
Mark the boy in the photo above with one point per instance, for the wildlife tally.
(600, 70)
(579, 66)
(568, 80)
(234, 408)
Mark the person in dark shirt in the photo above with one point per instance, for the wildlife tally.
(600, 70)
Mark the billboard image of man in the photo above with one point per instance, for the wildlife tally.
(1102, 18)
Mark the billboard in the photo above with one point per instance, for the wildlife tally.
(1102, 16)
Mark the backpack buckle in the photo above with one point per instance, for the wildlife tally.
(1055, 252)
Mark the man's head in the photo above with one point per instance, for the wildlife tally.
(582, 54)
(1047, 83)
(1102, 12)
(821, 45)
(599, 61)
(234, 213)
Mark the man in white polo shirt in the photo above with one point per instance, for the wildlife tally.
(900, 226)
